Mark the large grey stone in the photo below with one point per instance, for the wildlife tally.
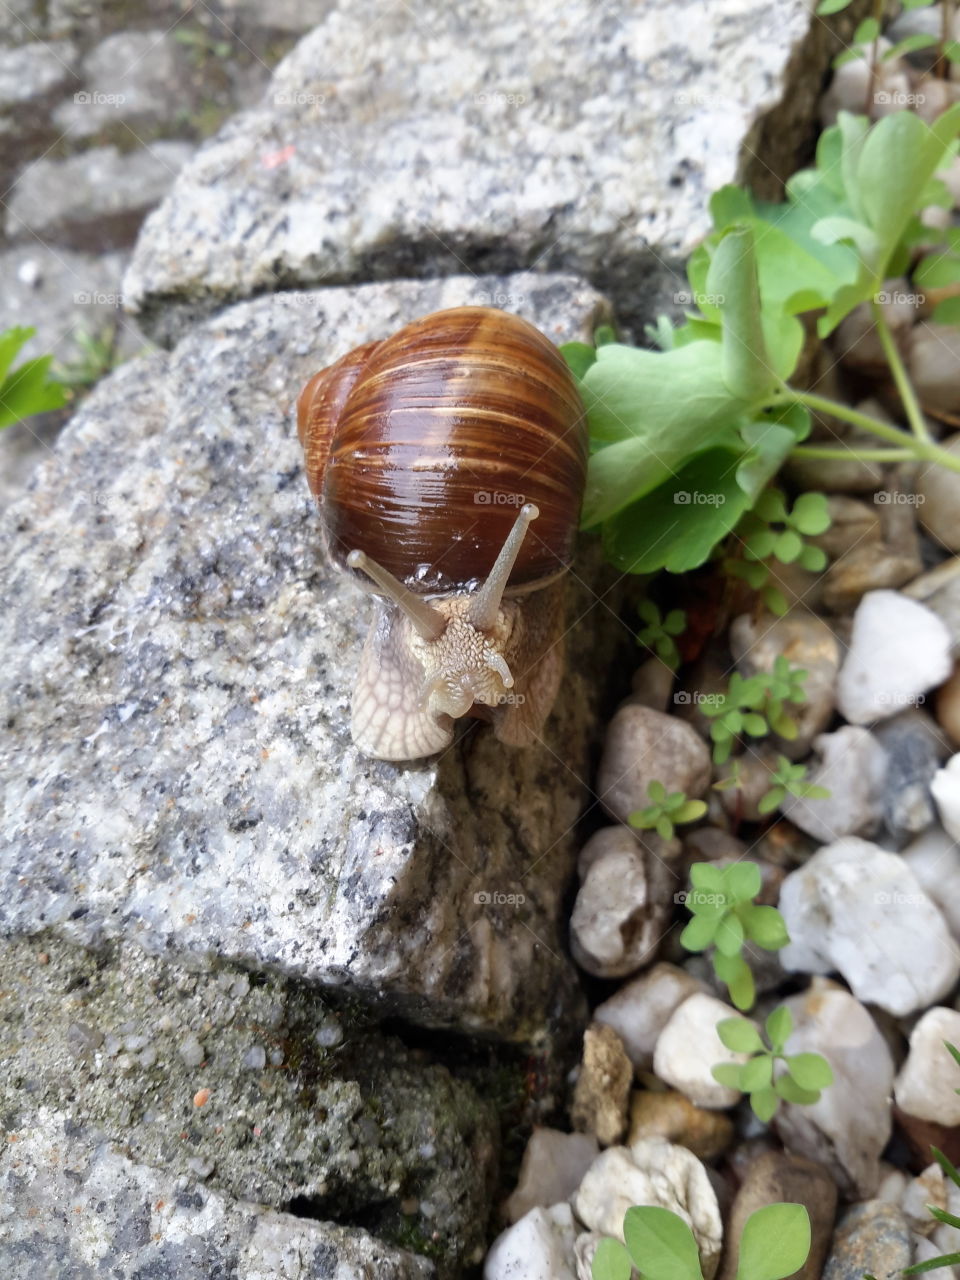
(34, 70)
(259, 1089)
(79, 1208)
(176, 692)
(364, 162)
(93, 200)
(133, 77)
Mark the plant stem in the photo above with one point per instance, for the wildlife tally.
(911, 405)
(864, 455)
(920, 450)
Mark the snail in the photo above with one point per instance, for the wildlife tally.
(449, 462)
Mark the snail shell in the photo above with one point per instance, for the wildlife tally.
(431, 453)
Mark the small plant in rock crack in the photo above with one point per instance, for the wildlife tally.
(725, 917)
(659, 634)
(666, 811)
(755, 705)
(28, 389)
(803, 1077)
(789, 779)
(774, 1244)
(941, 1215)
(771, 532)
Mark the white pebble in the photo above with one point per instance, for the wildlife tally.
(861, 911)
(928, 1080)
(538, 1247)
(640, 1010)
(946, 791)
(689, 1046)
(620, 914)
(191, 1050)
(898, 650)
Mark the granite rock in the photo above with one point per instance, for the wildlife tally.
(72, 1205)
(353, 165)
(176, 690)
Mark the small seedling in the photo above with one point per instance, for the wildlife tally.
(659, 634)
(28, 389)
(941, 1215)
(724, 917)
(774, 1244)
(756, 706)
(804, 1076)
(772, 532)
(789, 779)
(666, 811)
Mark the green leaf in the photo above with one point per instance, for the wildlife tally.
(732, 278)
(810, 1070)
(952, 1173)
(708, 877)
(729, 936)
(742, 881)
(698, 933)
(790, 1091)
(735, 972)
(775, 1242)
(579, 357)
(11, 341)
(755, 725)
(757, 1074)
(770, 800)
(690, 812)
(740, 1035)
(777, 603)
(652, 411)
(676, 525)
(867, 31)
(727, 1074)
(826, 7)
(910, 44)
(810, 515)
(765, 926)
(764, 1104)
(28, 390)
(661, 1244)
(944, 1260)
(779, 1025)
(611, 1261)
(813, 559)
(664, 828)
(657, 791)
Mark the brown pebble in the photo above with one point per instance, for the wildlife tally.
(201, 1097)
(671, 1115)
(603, 1086)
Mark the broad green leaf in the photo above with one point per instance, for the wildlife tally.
(742, 879)
(657, 791)
(579, 357)
(11, 340)
(770, 799)
(677, 525)
(661, 1244)
(698, 932)
(757, 1073)
(775, 1242)
(29, 390)
(708, 877)
(810, 1070)
(611, 1261)
(764, 1104)
(779, 1025)
(691, 811)
(936, 270)
(655, 409)
(729, 936)
(826, 7)
(769, 444)
(727, 1074)
(735, 972)
(810, 514)
(747, 368)
(664, 828)
(740, 1035)
(790, 1091)
(910, 44)
(765, 926)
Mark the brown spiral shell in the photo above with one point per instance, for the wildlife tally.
(423, 447)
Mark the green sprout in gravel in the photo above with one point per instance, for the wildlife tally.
(772, 532)
(803, 1077)
(774, 1244)
(754, 705)
(725, 917)
(789, 779)
(28, 389)
(666, 811)
(659, 634)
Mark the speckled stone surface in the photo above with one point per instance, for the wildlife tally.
(79, 1208)
(401, 140)
(251, 1085)
(176, 686)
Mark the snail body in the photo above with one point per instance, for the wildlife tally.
(431, 454)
